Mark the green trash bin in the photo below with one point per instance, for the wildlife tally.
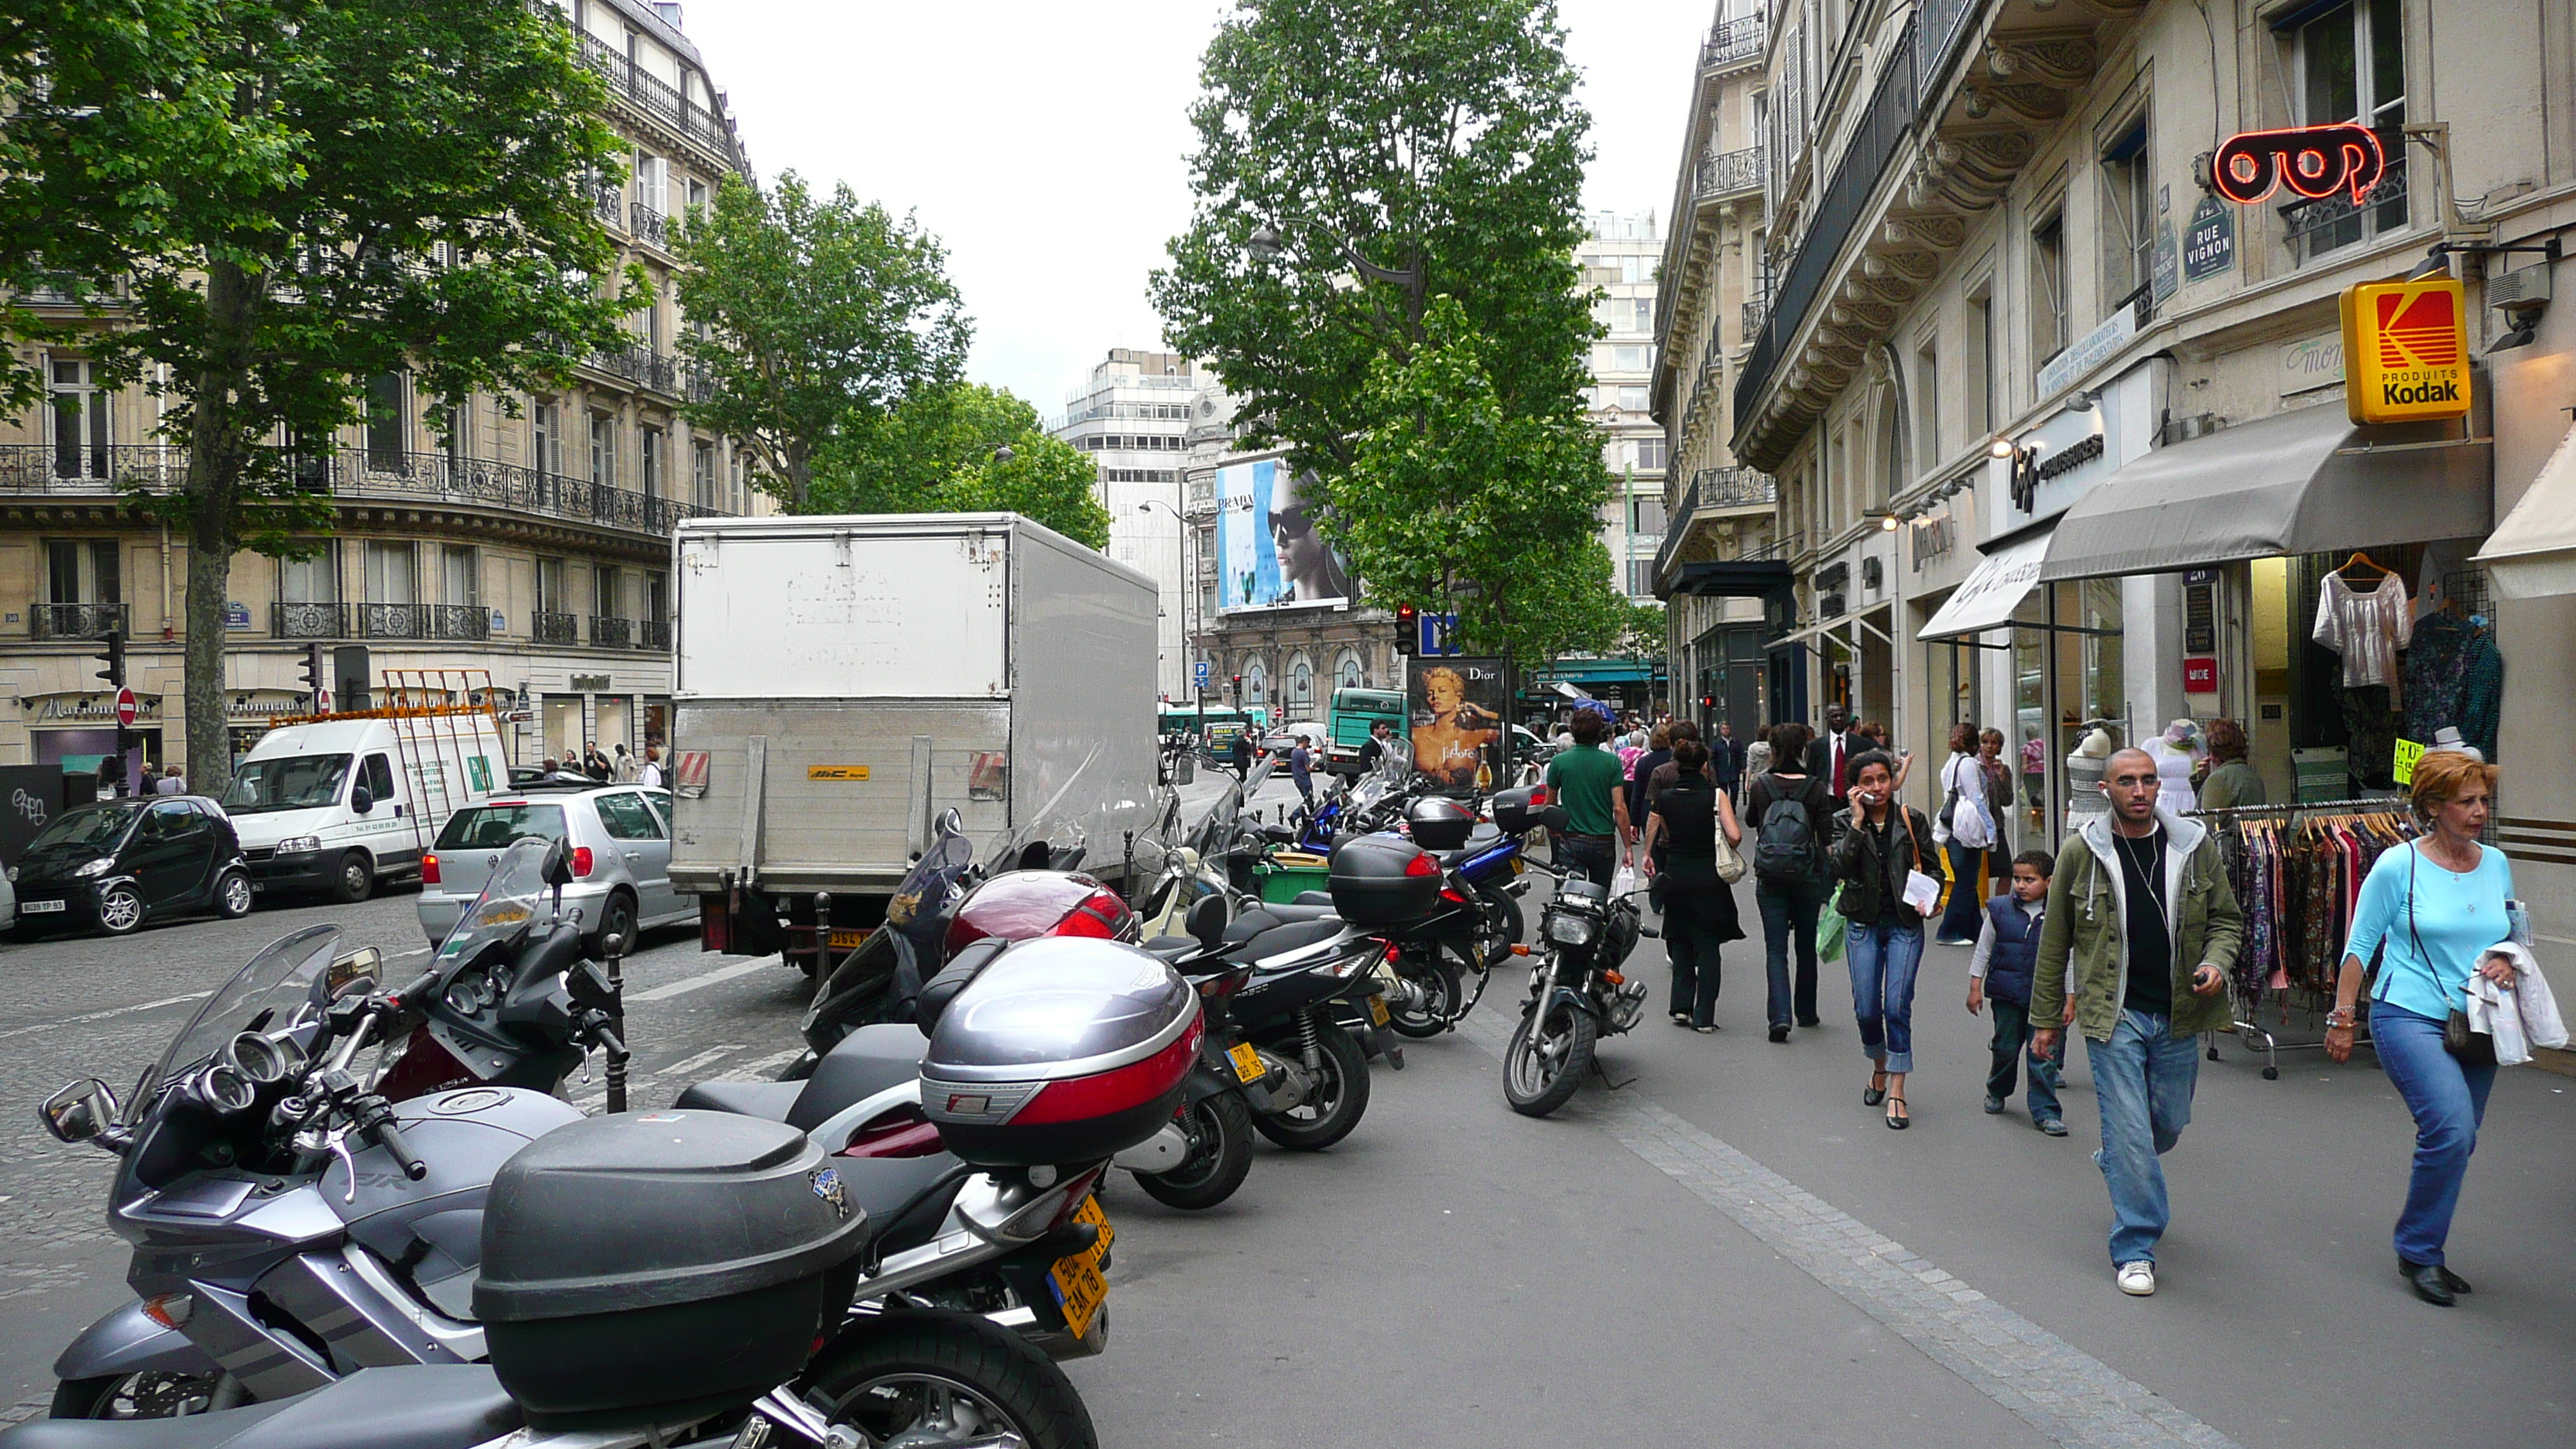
(1281, 884)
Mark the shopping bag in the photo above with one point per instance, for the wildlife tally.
(1624, 882)
(1830, 928)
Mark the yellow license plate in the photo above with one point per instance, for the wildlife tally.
(1247, 1062)
(1377, 1009)
(848, 940)
(1079, 1288)
(1090, 1213)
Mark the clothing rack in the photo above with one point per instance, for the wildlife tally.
(2312, 1000)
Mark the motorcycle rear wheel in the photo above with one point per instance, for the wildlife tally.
(1341, 1096)
(1442, 995)
(939, 1378)
(1549, 1053)
(1220, 1133)
(1504, 926)
(151, 1394)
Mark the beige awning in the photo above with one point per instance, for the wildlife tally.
(1995, 588)
(2533, 552)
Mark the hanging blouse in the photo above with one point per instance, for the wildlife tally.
(2366, 626)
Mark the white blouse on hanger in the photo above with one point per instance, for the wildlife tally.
(2366, 626)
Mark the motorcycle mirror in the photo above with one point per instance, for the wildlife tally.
(362, 800)
(80, 1111)
(556, 870)
(951, 823)
(588, 985)
(1036, 856)
(1207, 921)
(354, 974)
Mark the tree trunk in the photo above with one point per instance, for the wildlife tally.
(215, 461)
(800, 478)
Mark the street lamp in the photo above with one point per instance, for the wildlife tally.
(1267, 243)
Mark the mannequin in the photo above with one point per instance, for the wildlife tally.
(2177, 753)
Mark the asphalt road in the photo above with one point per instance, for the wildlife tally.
(1729, 1250)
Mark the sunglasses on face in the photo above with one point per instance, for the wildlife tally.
(1291, 523)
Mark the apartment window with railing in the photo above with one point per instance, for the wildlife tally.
(603, 451)
(392, 572)
(545, 439)
(2048, 319)
(83, 571)
(2351, 67)
(386, 435)
(1978, 371)
(79, 419)
(314, 580)
(2128, 215)
(1927, 401)
(464, 575)
(657, 595)
(648, 444)
(606, 587)
(553, 596)
(702, 474)
(653, 183)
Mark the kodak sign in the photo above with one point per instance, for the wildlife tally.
(2405, 351)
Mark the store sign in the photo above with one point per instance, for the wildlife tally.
(2209, 247)
(2089, 351)
(2312, 363)
(2200, 674)
(590, 684)
(96, 708)
(2402, 769)
(258, 704)
(2314, 161)
(2406, 351)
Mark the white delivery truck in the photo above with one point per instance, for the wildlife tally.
(337, 803)
(843, 680)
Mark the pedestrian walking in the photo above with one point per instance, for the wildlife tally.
(2232, 781)
(1587, 783)
(595, 764)
(2142, 921)
(1877, 858)
(171, 782)
(1999, 973)
(1829, 755)
(1999, 787)
(1374, 748)
(650, 774)
(2434, 911)
(628, 767)
(1788, 813)
(1757, 760)
(1964, 830)
(1726, 758)
(1687, 821)
(1641, 776)
(1301, 770)
(1243, 753)
(1661, 778)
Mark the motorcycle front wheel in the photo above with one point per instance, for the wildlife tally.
(948, 1378)
(150, 1394)
(1220, 1133)
(1341, 1095)
(1549, 1053)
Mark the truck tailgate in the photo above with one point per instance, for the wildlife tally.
(840, 802)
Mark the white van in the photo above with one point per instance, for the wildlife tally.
(339, 804)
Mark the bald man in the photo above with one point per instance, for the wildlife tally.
(2141, 904)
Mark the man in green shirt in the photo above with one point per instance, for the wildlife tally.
(1586, 780)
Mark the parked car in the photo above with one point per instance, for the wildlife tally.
(621, 858)
(115, 864)
(1286, 740)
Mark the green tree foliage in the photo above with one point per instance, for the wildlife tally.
(1453, 500)
(934, 453)
(821, 318)
(1641, 630)
(284, 199)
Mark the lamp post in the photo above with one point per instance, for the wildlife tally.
(1188, 600)
(1267, 244)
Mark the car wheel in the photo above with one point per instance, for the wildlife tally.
(616, 925)
(120, 910)
(355, 880)
(233, 897)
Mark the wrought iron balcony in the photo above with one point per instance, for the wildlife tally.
(1756, 311)
(78, 621)
(652, 633)
(555, 628)
(611, 633)
(350, 473)
(657, 97)
(1732, 42)
(645, 224)
(654, 371)
(1730, 173)
(1712, 490)
(461, 622)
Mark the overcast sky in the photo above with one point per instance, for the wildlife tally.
(1046, 144)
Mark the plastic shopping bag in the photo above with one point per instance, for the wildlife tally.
(1624, 882)
(1830, 928)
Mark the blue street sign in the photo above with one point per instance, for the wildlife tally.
(1200, 673)
(1438, 631)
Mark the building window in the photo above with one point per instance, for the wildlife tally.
(603, 451)
(1979, 373)
(649, 455)
(653, 182)
(1646, 517)
(464, 575)
(605, 588)
(702, 475)
(1927, 402)
(83, 571)
(385, 432)
(552, 595)
(1650, 455)
(79, 421)
(2352, 68)
(2047, 290)
(1632, 399)
(1641, 314)
(1255, 677)
(657, 595)
(1301, 684)
(1346, 670)
(2128, 218)
(545, 439)
(392, 572)
(1631, 359)
(314, 580)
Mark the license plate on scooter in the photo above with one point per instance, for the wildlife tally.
(1079, 1288)
(1377, 1010)
(1247, 1062)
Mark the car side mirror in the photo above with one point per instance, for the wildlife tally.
(81, 1111)
(1207, 920)
(362, 799)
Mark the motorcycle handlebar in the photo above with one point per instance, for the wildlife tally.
(416, 991)
(609, 1040)
(390, 1138)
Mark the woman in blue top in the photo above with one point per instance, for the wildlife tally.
(2432, 908)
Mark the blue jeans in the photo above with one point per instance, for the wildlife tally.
(1594, 857)
(1965, 914)
(1882, 956)
(2449, 1101)
(2143, 1077)
(1789, 918)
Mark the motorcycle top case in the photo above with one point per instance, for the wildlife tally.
(1064, 1050)
(1516, 811)
(1439, 823)
(1383, 880)
(645, 1267)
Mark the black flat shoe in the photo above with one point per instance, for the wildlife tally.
(1899, 1116)
(1876, 1091)
(1811, 1022)
(1779, 1033)
(2426, 1280)
(2454, 1281)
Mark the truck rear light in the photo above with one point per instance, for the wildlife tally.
(429, 870)
(581, 861)
(714, 931)
(1080, 1099)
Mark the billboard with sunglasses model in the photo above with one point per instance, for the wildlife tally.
(1269, 554)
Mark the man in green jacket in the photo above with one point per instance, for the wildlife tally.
(2141, 904)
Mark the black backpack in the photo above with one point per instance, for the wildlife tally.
(1784, 848)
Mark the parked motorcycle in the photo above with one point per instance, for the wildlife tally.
(1576, 991)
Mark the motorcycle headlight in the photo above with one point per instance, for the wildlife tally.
(95, 867)
(299, 845)
(1566, 929)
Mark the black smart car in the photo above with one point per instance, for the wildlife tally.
(112, 865)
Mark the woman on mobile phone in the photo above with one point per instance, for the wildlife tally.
(1885, 846)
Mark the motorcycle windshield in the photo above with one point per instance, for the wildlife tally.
(1386, 775)
(510, 900)
(925, 887)
(279, 988)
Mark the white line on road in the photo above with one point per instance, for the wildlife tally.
(696, 983)
(690, 1064)
(104, 1015)
(759, 1068)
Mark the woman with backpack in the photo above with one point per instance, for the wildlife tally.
(1688, 820)
(1963, 831)
(1885, 844)
(1788, 813)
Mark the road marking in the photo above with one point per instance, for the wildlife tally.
(104, 1015)
(2043, 1380)
(759, 1068)
(687, 1065)
(698, 983)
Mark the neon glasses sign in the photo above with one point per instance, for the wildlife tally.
(2314, 161)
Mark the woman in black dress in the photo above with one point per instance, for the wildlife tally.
(1699, 908)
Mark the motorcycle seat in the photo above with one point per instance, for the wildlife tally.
(772, 1100)
(1266, 917)
(1287, 937)
(1314, 898)
(1479, 840)
(882, 1185)
(1173, 948)
(414, 1406)
(866, 1062)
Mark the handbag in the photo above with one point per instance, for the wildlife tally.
(2472, 1048)
(1730, 862)
(1831, 928)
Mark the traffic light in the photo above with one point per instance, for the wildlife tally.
(1708, 701)
(113, 656)
(317, 673)
(1408, 628)
(1238, 689)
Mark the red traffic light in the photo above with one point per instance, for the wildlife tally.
(1708, 701)
(1406, 612)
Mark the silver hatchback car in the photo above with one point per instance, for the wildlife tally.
(621, 858)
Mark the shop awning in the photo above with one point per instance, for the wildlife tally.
(2533, 552)
(1995, 588)
(2301, 482)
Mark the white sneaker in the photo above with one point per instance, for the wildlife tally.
(2137, 1279)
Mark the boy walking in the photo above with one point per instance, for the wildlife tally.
(2000, 972)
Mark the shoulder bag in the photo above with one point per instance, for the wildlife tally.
(2473, 1048)
(1730, 863)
